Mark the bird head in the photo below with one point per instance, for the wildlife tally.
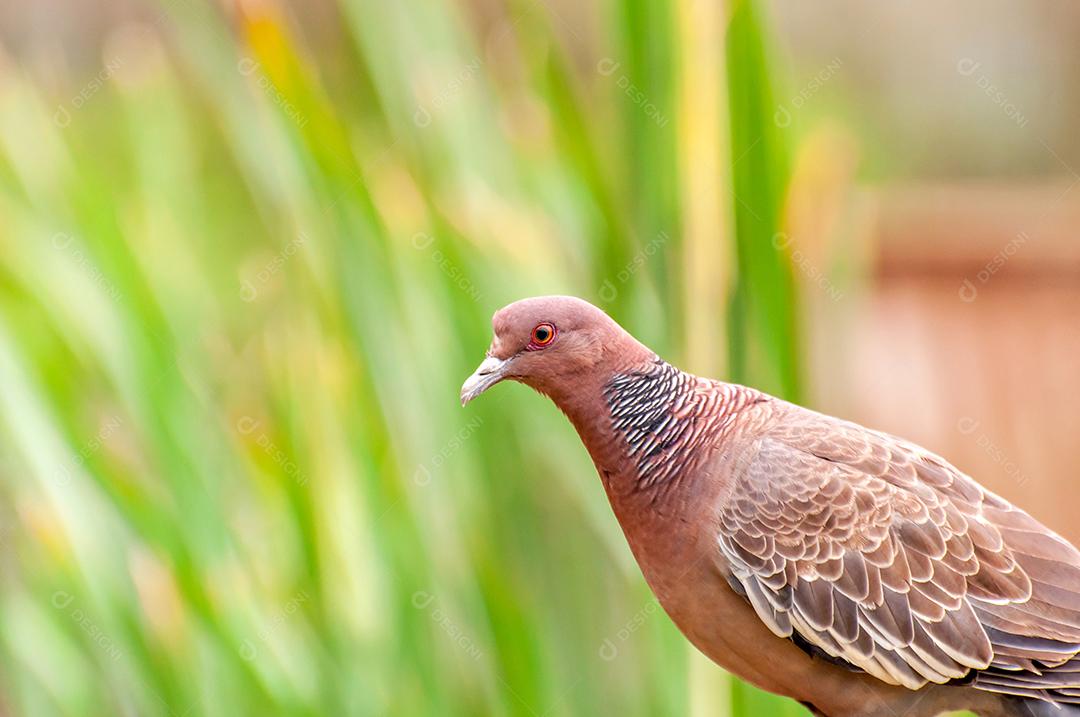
(547, 343)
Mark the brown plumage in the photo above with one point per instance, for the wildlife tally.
(846, 568)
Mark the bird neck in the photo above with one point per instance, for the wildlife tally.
(648, 425)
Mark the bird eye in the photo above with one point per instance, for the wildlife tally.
(542, 335)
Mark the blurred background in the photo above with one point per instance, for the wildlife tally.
(249, 251)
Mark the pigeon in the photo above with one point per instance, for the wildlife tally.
(840, 566)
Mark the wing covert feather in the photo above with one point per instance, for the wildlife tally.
(884, 556)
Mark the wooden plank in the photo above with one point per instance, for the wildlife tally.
(961, 230)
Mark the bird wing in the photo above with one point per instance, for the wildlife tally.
(878, 554)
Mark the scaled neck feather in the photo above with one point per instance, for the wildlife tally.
(647, 426)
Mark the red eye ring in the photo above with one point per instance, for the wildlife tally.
(542, 336)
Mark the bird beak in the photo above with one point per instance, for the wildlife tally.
(487, 374)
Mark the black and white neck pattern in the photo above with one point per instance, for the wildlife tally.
(669, 418)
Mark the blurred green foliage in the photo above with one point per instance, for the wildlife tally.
(245, 264)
